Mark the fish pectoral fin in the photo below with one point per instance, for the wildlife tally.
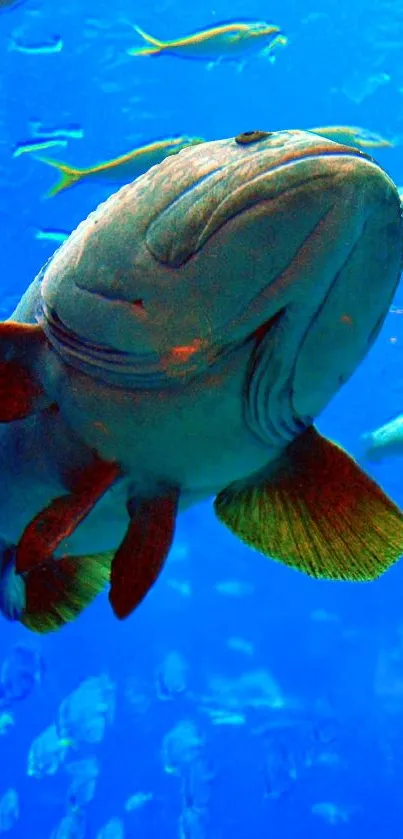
(318, 513)
(57, 592)
(141, 556)
(60, 518)
(21, 393)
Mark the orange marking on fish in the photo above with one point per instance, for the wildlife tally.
(101, 426)
(347, 319)
(185, 352)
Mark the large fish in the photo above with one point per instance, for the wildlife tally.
(178, 346)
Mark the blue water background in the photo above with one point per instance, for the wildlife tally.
(329, 670)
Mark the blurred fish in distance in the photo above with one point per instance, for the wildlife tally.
(353, 135)
(67, 132)
(32, 146)
(53, 45)
(384, 442)
(48, 234)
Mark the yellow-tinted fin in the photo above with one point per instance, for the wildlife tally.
(319, 513)
(149, 38)
(155, 45)
(58, 591)
(68, 175)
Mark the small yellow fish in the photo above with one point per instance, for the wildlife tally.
(119, 170)
(352, 135)
(230, 41)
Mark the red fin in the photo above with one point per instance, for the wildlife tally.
(56, 593)
(141, 556)
(20, 392)
(59, 520)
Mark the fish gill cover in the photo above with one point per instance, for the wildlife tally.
(241, 699)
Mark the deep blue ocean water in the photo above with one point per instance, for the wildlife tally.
(241, 700)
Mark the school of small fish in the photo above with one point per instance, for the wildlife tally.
(294, 744)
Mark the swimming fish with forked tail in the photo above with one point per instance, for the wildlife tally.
(178, 346)
(119, 170)
(230, 41)
(352, 135)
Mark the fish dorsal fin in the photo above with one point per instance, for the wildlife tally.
(21, 393)
(140, 558)
(318, 513)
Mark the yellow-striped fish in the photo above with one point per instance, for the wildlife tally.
(119, 170)
(225, 41)
(352, 135)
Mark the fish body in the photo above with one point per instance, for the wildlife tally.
(352, 135)
(119, 170)
(178, 346)
(231, 41)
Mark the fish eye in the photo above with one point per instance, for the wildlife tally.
(252, 137)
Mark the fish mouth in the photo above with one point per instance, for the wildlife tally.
(294, 224)
(343, 278)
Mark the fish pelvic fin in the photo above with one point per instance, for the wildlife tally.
(154, 45)
(140, 558)
(318, 513)
(68, 175)
(56, 593)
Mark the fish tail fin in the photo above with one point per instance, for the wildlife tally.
(56, 592)
(68, 175)
(154, 45)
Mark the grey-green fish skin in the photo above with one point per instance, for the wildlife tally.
(199, 320)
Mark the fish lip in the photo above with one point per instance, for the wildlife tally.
(261, 185)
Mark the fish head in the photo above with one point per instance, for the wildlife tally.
(286, 243)
(262, 30)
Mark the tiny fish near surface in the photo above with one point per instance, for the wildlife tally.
(145, 370)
